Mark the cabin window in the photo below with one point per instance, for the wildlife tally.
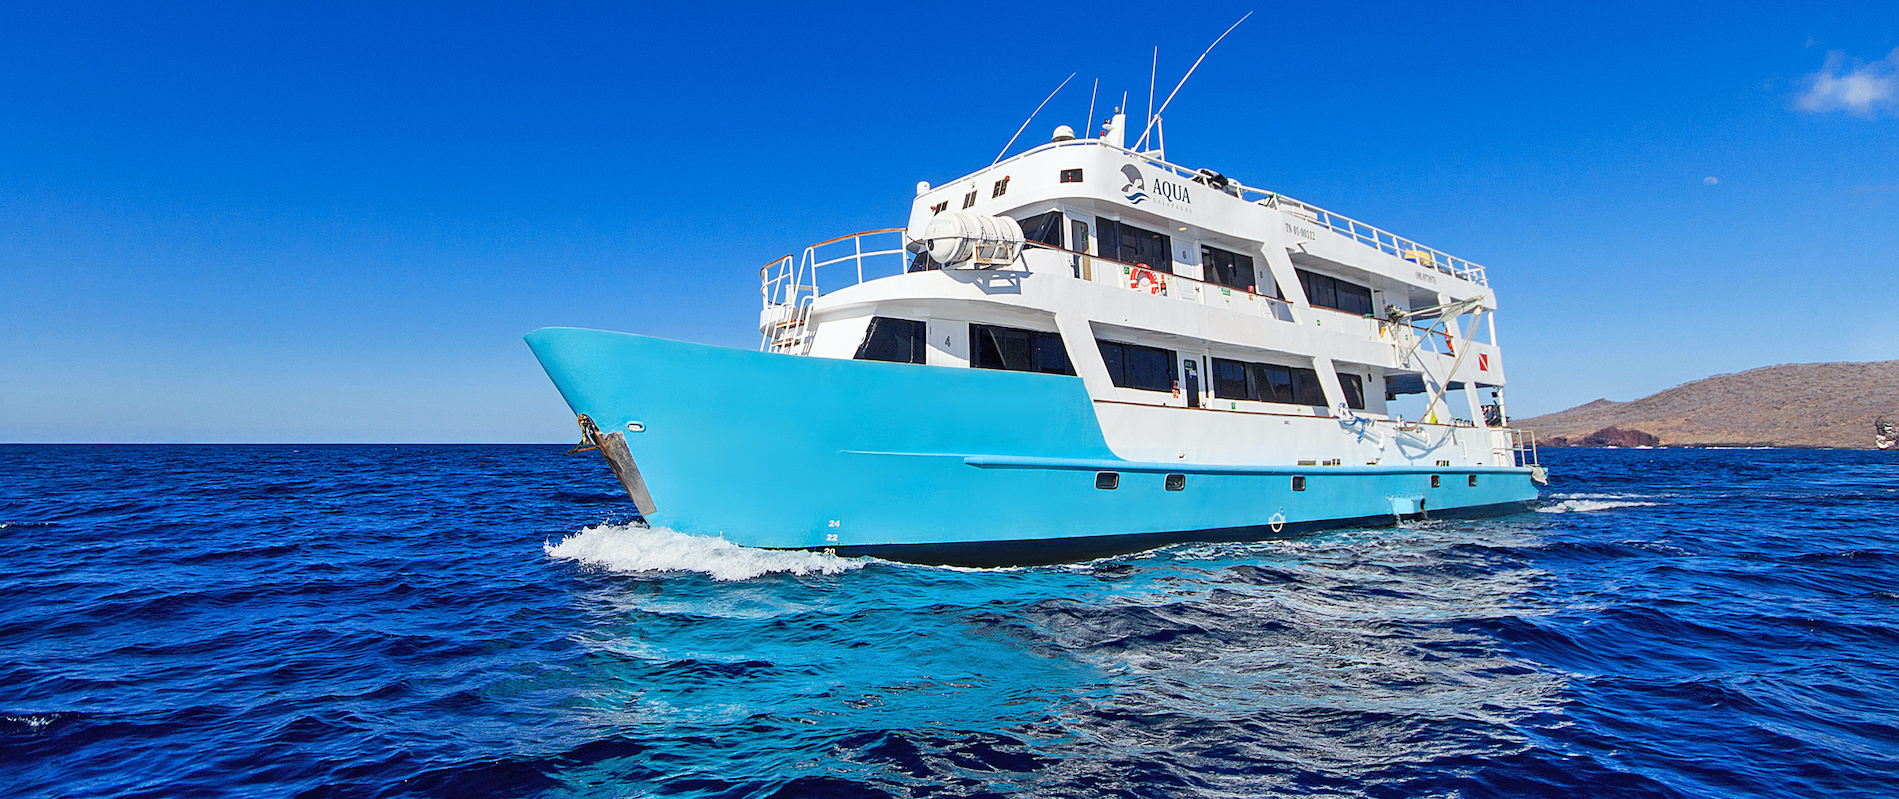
(1131, 245)
(939, 207)
(1176, 482)
(969, 199)
(1326, 291)
(1265, 382)
(1078, 236)
(1473, 481)
(894, 340)
(1071, 176)
(1436, 480)
(1002, 187)
(1354, 387)
(1107, 481)
(1044, 228)
(1135, 366)
(1229, 269)
(1298, 482)
(1018, 350)
(922, 262)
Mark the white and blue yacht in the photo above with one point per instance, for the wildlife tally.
(1080, 351)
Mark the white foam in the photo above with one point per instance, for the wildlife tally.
(1587, 505)
(631, 548)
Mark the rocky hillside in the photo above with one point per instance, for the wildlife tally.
(1791, 405)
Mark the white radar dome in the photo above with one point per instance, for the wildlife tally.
(1064, 133)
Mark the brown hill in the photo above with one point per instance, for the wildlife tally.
(1791, 405)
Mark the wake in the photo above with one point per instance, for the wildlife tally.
(634, 549)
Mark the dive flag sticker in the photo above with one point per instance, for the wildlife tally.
(1483, 362)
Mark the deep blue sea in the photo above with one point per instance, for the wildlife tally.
(481, 621)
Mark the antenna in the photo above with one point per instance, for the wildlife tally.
(1089, 125)
(1151, 71)
(1025, 122)
(1183, 78)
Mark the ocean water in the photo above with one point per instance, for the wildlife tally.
(466, 621)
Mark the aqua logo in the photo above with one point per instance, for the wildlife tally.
(1171, 192)
(1136, 183)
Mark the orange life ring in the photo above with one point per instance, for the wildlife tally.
(1156, 283)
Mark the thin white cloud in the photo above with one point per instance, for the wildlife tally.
(1858, 88)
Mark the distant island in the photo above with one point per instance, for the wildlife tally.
(1791, 405)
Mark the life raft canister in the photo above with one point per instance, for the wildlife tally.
(1156, 283)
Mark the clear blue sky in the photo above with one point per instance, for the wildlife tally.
(327, 222)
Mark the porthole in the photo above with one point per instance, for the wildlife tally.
(1176, 482)
(1298, 482)
(1437, 480)
(1473, 481)
(1107, 481)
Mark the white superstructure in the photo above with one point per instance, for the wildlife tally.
(1212, 323)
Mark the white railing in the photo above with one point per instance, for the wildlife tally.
(1388, 243)
(790, 284)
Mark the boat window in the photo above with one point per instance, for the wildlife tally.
(1078, 235)
(1229, 269)
(1018, 350)
(1132, 245)
(922, 262)
(939, 207)
(1265, 382)
(1002, 187)
(1437, 481)
(969, 199)
(1107, 481)
(1045, 228)
(1305, 388)
(895, 340)
(1071, 176)
(1176, 482)
(1135, 366)
(1354, 387)
(1326, 291)
(1298, 482)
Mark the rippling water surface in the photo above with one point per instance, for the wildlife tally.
(482, 621)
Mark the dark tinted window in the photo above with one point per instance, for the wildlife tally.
(1265, 382)
(1018, 350)
(1227, 268)
(1132, 245)
(1354, 387)
(1135, 366)
(1229, 380)
(1305, 388)
(898, 340)
(1326, 291)
(1045, 228)
(1071, 176)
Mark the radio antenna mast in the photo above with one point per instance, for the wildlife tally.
(1025, 122)
(1183, 81)
(1089, 124)
(1152, 70)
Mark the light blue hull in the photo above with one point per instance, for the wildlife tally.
(939, 464)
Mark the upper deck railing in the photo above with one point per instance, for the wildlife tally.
(1368, 235)
(791, 283)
